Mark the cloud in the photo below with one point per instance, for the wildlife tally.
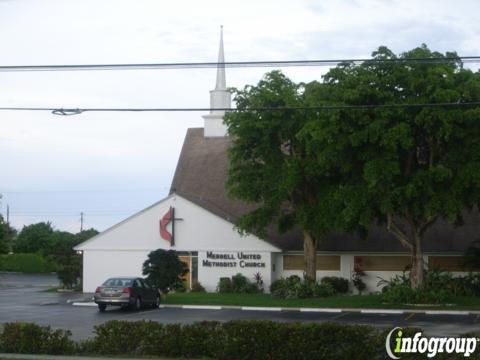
(108, 151)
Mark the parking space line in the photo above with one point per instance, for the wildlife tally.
(202, 307)
(381, 311)
(442, 312)
(140, 312)
(409, 316)
(320, 310)
(255, 308)
(338, 316)
(84, 304)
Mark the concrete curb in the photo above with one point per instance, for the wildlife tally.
(84, 304)
(70, 301)
(306, 310)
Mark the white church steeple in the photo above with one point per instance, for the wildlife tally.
(220, 98)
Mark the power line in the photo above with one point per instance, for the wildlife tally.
(159, 189)
(13, 215)
(230, 64)
(76, 111)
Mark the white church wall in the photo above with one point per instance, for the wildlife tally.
(201, 231)
(198, 230)
(99, 265)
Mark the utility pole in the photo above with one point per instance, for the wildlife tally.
(81, 221)
(8, 215)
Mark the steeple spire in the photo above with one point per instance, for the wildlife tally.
(220, 98)
(221, 82)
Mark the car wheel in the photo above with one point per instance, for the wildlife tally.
(156, 303)
(102, 307)
(138, 303)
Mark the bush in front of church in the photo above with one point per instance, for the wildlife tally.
(340, 285)
(293, 287)
(164, 269)
(197, 287)
(238, 284)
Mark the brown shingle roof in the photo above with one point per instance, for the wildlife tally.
(201, 174)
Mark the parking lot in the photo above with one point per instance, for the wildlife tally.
(22, 298)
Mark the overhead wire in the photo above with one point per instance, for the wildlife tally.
(231, 64)
(76, 111)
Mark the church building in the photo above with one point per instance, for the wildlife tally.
(197, 221)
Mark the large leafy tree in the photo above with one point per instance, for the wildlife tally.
(406, 166)
(164, 269)
(271, 168)
(34, 238)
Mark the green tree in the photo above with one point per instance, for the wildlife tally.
(408, 167)
(4, 243)
(7, 234)
(163, 269)
(271, 168)
(69, 263)
(85, 235)
(34, 238)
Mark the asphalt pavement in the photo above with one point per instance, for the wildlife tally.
(22, 298)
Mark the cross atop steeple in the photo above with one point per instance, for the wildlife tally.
(220, 98)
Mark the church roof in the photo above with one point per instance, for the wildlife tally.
(201, 174)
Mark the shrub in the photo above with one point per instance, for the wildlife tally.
(236, 340)
(224, 285)
(257, 277)
(28, 338)
(197, 287)
(69, 271)
(286, 288)
(357, 275)
(472, 283)
(438, 287)
(323, 290)
(404, 294)
(180, 286)
(251, 288)
(340, 285)
(277, 287)
(294, 288)
(233, 340)
(27, 263)
(239, 283)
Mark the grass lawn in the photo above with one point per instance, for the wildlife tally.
(343, 301)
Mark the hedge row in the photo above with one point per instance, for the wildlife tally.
(231, 340)
(26, 263)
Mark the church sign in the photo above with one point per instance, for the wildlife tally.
(233, 260)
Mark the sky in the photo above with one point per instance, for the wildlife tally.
(111, 165)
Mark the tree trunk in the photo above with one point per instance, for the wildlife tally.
(416, 272)
(412, 240)
(310, 254)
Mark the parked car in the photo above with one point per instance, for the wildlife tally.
(133, 292)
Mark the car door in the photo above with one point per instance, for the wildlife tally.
(137, 289)
(148, 293)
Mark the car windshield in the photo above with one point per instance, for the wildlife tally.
(118, 282)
